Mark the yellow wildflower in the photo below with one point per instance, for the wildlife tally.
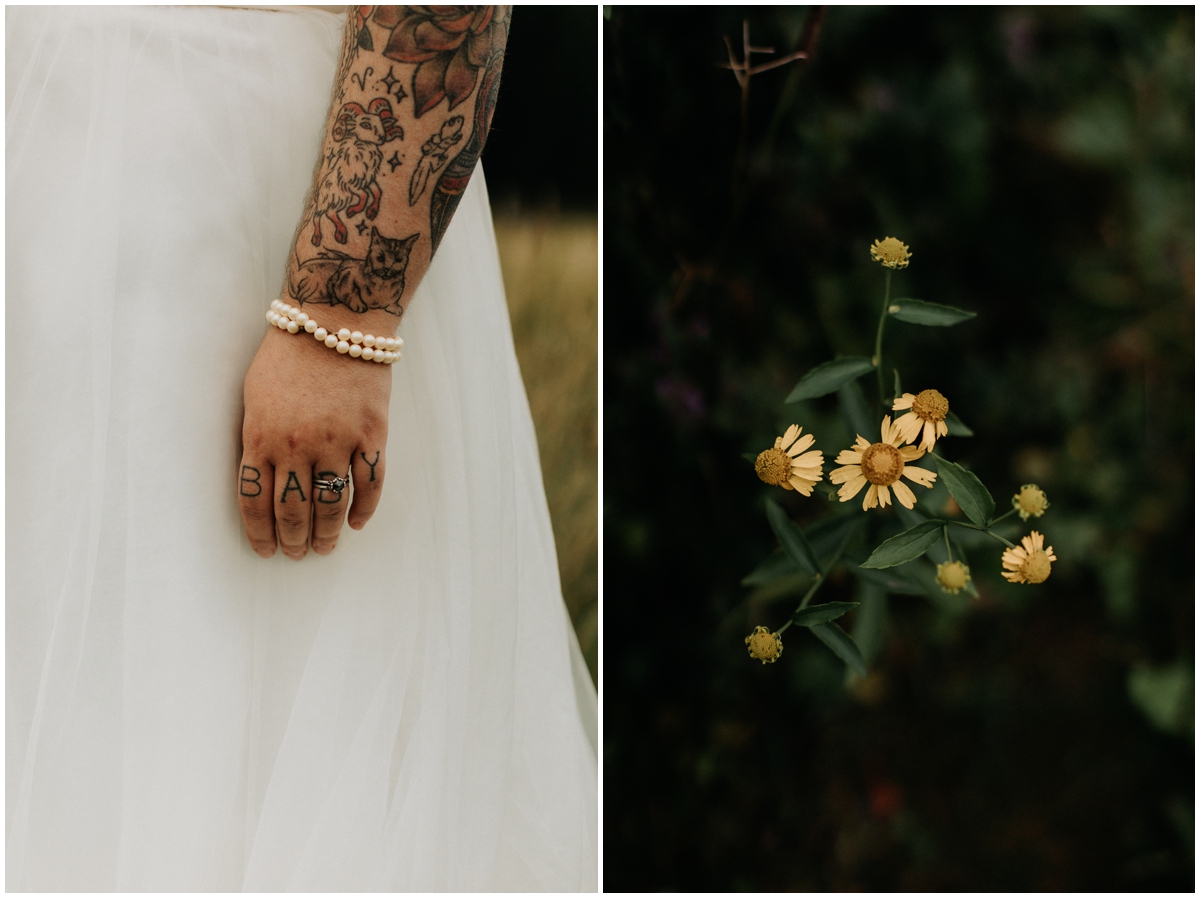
(927, 418)
(953, 576)
(764, 645)
(784, 465)
(890, 253)
(1028, 562)
(880, 464)
(1030, 501)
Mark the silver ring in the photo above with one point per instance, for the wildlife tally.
(334, 486)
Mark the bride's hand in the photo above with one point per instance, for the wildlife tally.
(310, 413)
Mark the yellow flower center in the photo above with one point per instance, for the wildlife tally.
(764, 645)
(1031, 501)
(952, 575)
(1036, 567)
(774, 466)
(930, 405)
(882, 464)
(890, 251)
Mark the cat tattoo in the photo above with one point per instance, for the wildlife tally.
(376, 282)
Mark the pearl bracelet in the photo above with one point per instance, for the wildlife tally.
(356, 344)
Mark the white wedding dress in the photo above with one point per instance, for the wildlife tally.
(408, 713)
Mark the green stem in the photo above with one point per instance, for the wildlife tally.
(877, 361)
(1006, 514)
(812, 591)
(995, 536)
(822, 576)
(946, 534)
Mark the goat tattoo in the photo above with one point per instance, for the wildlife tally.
(349, 183)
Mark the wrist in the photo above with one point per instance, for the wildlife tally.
(378, 348)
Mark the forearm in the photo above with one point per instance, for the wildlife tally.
(412, 102)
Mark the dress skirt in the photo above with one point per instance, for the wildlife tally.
(410, 712)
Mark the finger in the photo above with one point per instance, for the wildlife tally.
(367, 470)
(293, 507)
(329, 506)
(255, 491)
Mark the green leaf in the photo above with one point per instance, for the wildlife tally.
(956, 427)
(826, 378)
(968, 491)
(906, 546)
(931, 314)
(838, 642)
(892, 581)
(777, 565)
(829, 534)
(855, 413)
(750, 457)
(791, 538)
(870, 620)
(822, 614)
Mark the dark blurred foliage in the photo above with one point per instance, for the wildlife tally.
(1039, 162)
(541, 151)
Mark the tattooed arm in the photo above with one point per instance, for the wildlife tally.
(412, 103)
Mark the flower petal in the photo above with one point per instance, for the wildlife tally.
(460, 78)
(801, 444)
(440, 36)
(808, 459)
(402, 46)
(786, 485)
(905, 401)
(429, 84)
(885, 498)
(851, 488)
(920, 475)
(886, 429)
(802, 487)
(904, 495)
(870, 498)
(788, 437)
(911, 453)
(860, 444)
(841, 475)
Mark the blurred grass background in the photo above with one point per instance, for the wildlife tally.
(541, 165)
(1040, 162)
(551, 262)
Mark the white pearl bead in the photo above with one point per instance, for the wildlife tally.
(344, 335)
(320, 333)
(270, 317)
(399, 342)
(331, 341)
(378, 357)
(293, 327)
(368, 340)
(368, 353)
(310, 326)
(355, 350)
(302, 319)
(356, 337)
(342, 346)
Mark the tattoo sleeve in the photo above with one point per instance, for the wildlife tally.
(412, 104)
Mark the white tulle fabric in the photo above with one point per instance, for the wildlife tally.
(409, 713)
